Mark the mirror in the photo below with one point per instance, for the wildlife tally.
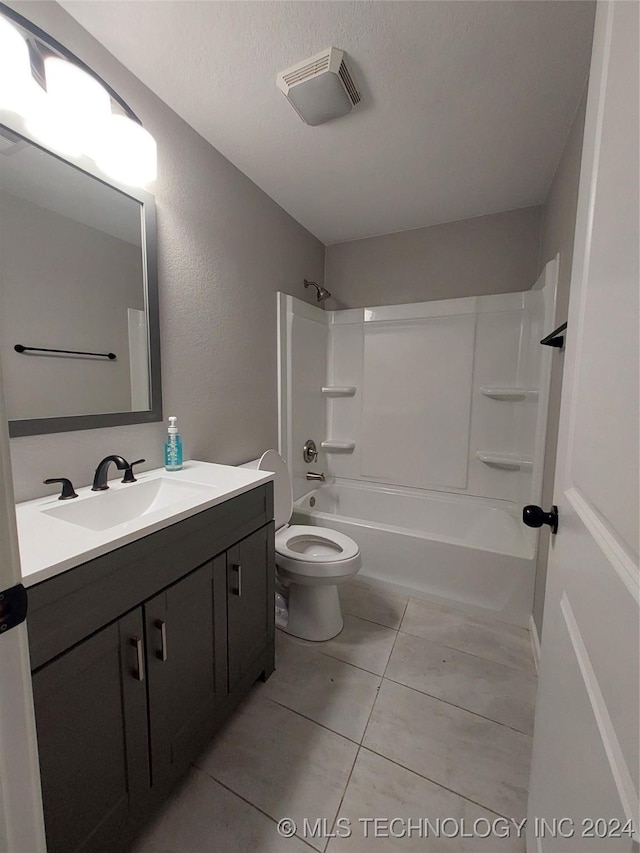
(79, 336)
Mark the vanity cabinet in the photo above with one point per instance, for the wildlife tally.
(180, 665)
(139, 656)
(249, 623)
(91, 712)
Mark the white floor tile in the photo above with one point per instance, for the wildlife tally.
(328, 691)
(362, 643)
(501, 693)
(290, 748)
(203, 817)
(281, 762)
(481, 760)
(373, 603)
(506, 644)
(383, 790)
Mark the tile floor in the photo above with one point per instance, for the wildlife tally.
(413, 712)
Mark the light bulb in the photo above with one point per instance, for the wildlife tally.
(73, 90)
(71, 117)
(127, 152)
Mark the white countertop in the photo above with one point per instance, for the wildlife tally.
(50, 545)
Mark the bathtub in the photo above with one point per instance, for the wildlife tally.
(473, 553)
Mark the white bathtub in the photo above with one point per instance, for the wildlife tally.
(465, 551)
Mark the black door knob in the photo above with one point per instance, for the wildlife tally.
(535, 516)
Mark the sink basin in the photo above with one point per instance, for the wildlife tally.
(103, 510)
(58, 535)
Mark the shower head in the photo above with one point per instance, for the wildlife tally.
(322, 292)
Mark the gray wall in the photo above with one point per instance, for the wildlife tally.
(489, 254)
(558, 226)
(64, 285)
(224, 249)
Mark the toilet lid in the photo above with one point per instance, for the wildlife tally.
(326, 545)
(282, 493)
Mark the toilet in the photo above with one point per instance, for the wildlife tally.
(310, 561)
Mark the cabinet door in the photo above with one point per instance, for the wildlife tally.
(179, 625)
(250, 602)
(91, 718)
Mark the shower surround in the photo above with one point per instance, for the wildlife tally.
(430, 419)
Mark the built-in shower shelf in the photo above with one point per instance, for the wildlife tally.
(506, 461)
(509, 393)
(339, 390)
(338, 446)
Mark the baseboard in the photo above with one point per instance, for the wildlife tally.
(535, 643)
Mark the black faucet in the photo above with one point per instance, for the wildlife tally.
(128, 474)
(100, 479)
(67, 487)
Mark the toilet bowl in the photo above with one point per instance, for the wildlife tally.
(310, 562)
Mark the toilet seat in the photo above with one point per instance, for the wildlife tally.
(311, 544)
(311, 562)
(336, 557)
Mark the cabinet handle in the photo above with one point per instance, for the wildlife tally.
(236, 567)
(137, 642)
(162, 627)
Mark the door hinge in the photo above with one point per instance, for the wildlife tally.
(13, 607)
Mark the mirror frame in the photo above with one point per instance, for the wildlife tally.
(16, 125)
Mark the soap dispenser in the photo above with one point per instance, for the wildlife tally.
(173, 447)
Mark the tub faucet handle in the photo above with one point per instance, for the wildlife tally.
(312, 475)
(310, 451)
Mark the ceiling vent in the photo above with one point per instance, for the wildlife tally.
(320, 88)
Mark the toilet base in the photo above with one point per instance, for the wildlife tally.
(314, 612)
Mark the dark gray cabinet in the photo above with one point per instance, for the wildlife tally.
(138, 657)
(91, 711)
(249, 622)
(179, 628)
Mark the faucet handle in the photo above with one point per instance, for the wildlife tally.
(128, 474)
(68, 491)
(310, 451)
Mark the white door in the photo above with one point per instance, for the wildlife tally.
(21, 822)
(585, 746)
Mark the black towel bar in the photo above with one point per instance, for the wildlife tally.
(555, 339)
(20, 348)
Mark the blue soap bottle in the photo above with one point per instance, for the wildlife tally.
(173, 447)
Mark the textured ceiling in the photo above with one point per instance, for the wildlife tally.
(465, 110)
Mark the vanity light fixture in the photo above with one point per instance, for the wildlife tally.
(18, 89)
(71, 114)
(127, 152)
(75, 116)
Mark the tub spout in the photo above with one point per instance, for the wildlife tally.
(311, 475)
